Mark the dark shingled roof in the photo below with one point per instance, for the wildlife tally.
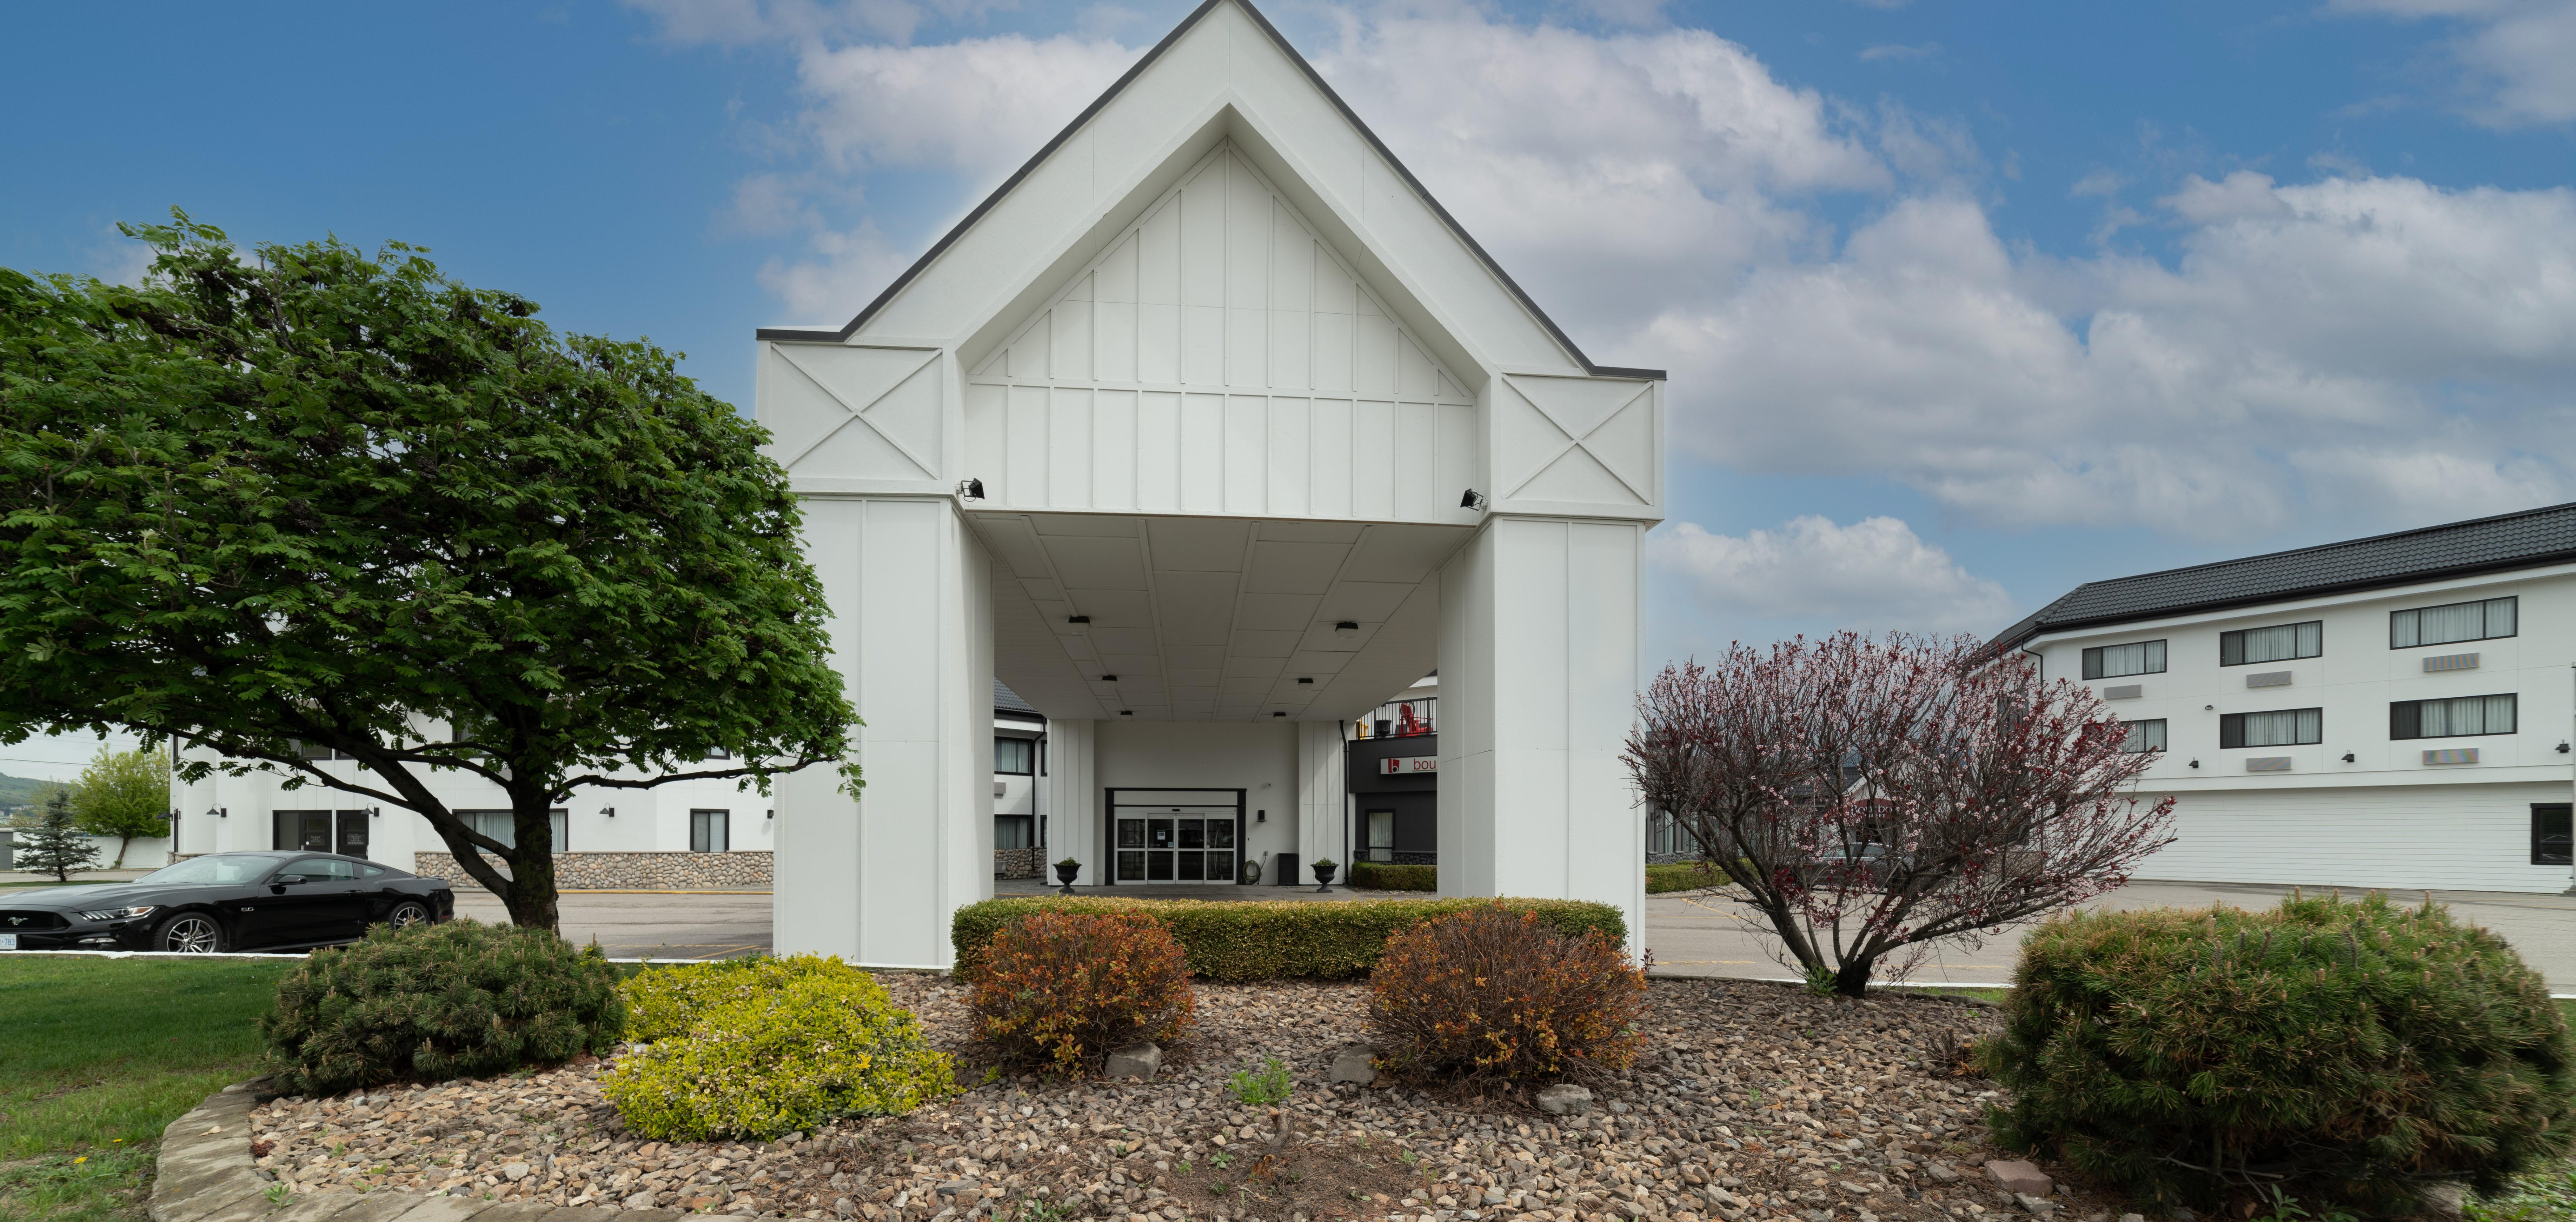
(1007, 701)
(2527, 539)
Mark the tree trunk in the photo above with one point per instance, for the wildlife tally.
(1853, 979)
(531, 896)
(121, 846)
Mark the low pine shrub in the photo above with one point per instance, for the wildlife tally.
(667, 1001)
(801, 1049)
(1380, 876)
(1489, 992)
(431, 1002)
(1064, 989)
(2341, 1053)
(1275, 940)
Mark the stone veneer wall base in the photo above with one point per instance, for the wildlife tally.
(749, 868)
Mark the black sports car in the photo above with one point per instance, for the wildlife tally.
(226, 901)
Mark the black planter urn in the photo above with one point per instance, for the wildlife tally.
(1324, 877)
(1065, 872)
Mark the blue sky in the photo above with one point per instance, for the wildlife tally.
(1965, 302)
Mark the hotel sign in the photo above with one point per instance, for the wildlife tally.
(1406, 764)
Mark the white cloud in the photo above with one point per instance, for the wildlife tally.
(980, 106)
(845, 271)
(1616, 170)
(2516, 58)
(1874, 574)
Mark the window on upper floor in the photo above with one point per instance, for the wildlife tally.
(2455, 718)
(2279, 728)
(2145, 736)
(2472, 621)
(2135, 658)
(2279, 643)
(1015, 755)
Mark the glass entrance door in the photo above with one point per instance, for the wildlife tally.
(1176, 845)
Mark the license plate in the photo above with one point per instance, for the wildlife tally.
(8, 941)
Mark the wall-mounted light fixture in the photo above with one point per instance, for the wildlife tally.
(771, 813)
(1261, 816)
(376, 812)
(1473, 500)
(2562, 748)
(220, 812)
(2208, 708)
(2195, 763)
(609, 811)
(970, 489)
(1346, 629)
(2347, 757)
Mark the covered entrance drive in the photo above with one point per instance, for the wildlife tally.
(1207, 433)
(1175, 836)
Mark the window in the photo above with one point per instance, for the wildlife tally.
(322, 870)
(1017, 756)
(502, 826)
(2281, 643)
(1014, 832)
(2550, 825)
(1381, 835)
(2283, 728)
(2145, 736)
(2458, 718)
(2477, 621)
(710, 831)
(2113, 661)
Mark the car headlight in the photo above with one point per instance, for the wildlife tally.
(118, 914)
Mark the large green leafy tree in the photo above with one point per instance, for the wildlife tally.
(318, 502)
(124, 794)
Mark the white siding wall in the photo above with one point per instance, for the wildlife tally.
(1219, 358)
(2386, 818)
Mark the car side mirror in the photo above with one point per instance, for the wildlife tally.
(284, 880)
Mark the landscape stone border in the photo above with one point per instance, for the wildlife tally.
(613, 871)
(205, 1174)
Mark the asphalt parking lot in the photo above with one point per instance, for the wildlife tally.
(1690, 933)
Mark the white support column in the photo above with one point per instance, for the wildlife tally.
(1539, 643)
(1321, 789)
(1073, 798)
(874, 881)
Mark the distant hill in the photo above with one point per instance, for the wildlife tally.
(16, 791)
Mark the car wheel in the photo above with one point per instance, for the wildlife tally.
(407, 914)
(189, 933)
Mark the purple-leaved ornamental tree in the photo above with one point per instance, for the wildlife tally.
(1871, 796)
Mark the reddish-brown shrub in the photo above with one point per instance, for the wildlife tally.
(1494, 993)
(1063, 989)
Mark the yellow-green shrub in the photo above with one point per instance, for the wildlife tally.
(666, 1001)
(1274, 940)
(1681, 876)
(817, 1046)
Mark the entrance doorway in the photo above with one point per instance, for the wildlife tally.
(321, 831)
(1175, 836)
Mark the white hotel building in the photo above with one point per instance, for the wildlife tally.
(2392, 712)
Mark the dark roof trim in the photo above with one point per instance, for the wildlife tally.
(2038, 623)
(1000, 714)
(802, 335)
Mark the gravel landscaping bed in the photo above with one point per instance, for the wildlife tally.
(1758, 1101)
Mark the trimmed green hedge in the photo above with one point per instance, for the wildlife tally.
(1278, 939)
(1380, 876)
(1680, 876)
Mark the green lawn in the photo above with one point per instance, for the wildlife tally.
(100, 1055)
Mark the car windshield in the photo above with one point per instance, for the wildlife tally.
(206, 870)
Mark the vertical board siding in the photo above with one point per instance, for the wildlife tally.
(1220, 358)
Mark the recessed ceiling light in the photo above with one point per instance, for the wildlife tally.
(1109, 678)
(1305, 680)
(1278, 714)
(1126, 712)
(1346, 629)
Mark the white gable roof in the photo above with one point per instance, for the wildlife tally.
(1224, 78)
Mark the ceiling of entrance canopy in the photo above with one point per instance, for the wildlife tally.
(1208, 618)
